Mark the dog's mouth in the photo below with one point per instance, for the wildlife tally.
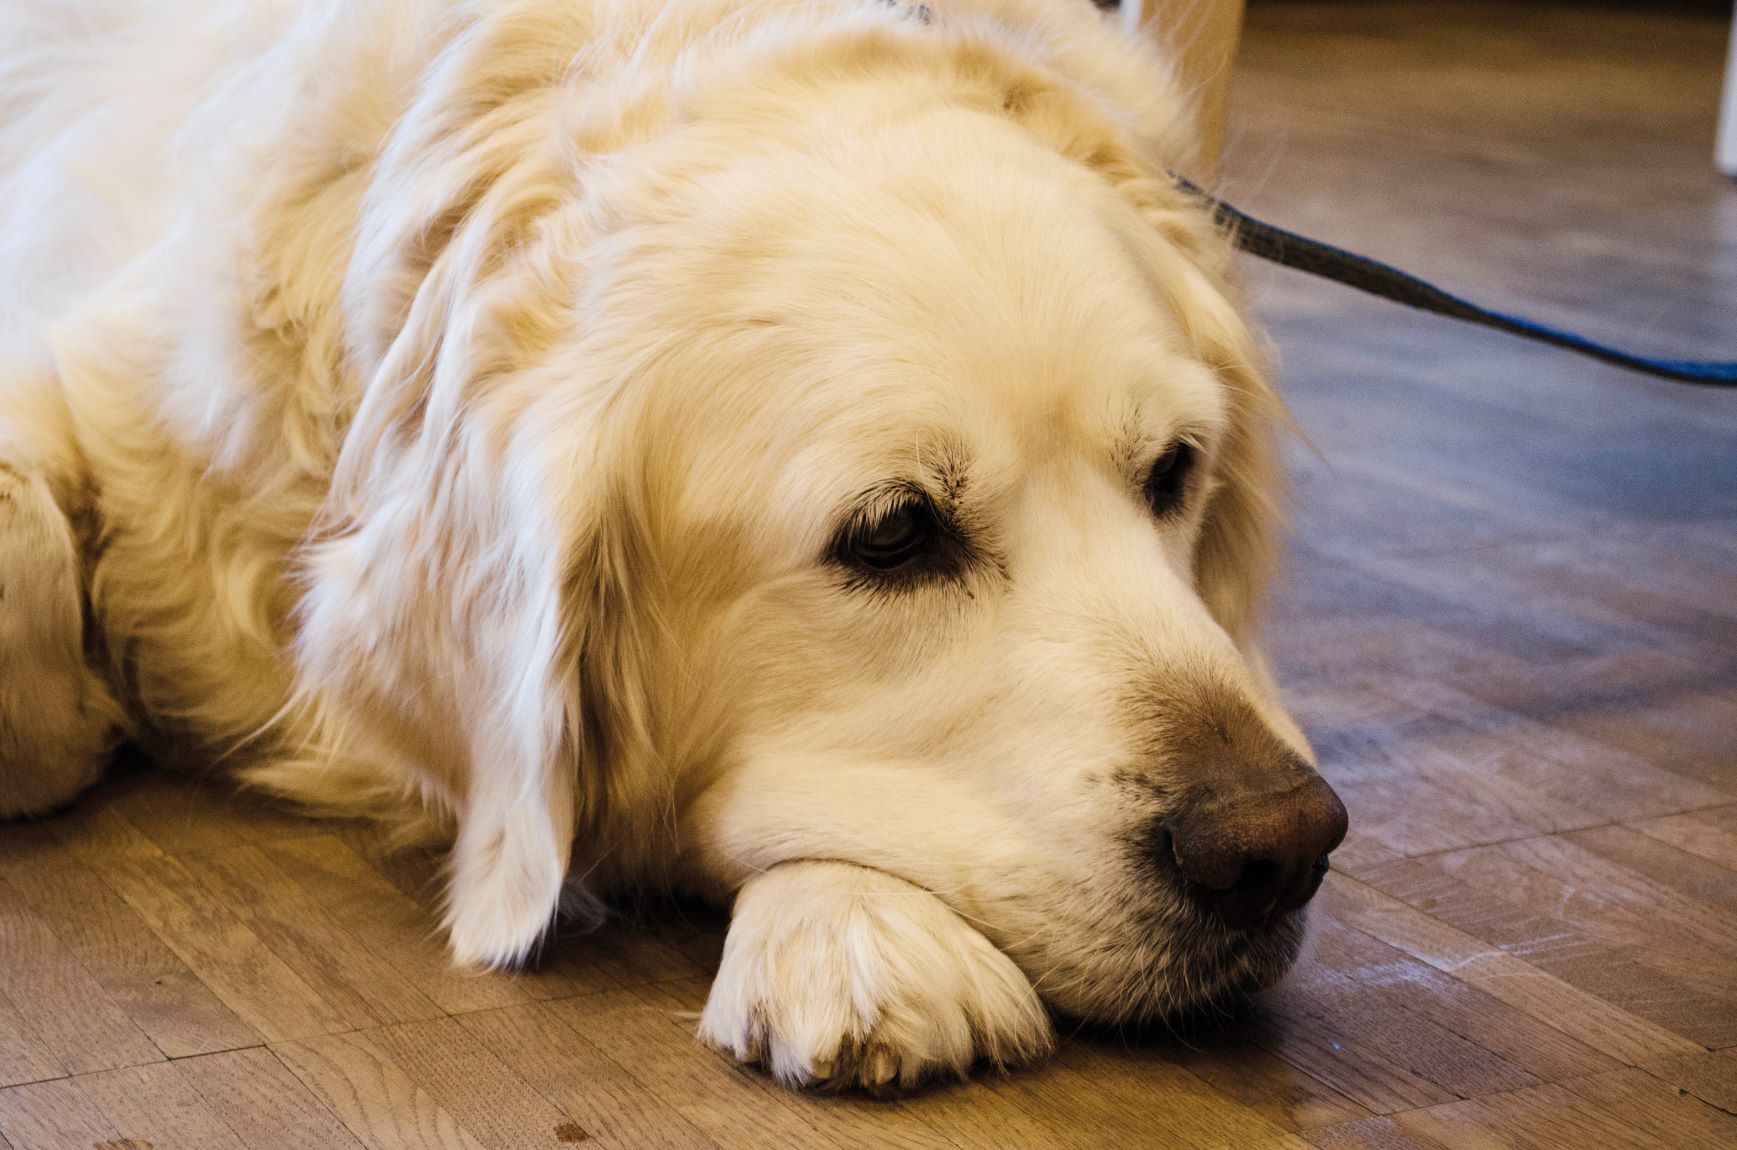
(1156, 956)
(1184, 968)
(1235, 963)
(1260, 956)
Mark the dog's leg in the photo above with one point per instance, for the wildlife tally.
(59, 723)
(839, 975)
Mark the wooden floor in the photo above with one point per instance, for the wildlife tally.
(1511, 628)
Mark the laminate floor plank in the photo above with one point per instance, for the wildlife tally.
(1619, 955)
(490, 1100)
(222, 951)
(1259, 1080)
(364, 988)
(156, 990)
(42, 983)
(25, 1056)
(1377, 1133)
(1654, 1105)
(1575, 1012)
(1549, 1117)
(1709, 1076)
(1710, 834)
(54, 1116)
(611, 1106)
(266, 1106)
(372, 1096)
(156, 1105)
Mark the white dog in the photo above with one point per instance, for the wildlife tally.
(803, 451)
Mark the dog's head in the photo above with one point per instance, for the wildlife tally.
(875, 468)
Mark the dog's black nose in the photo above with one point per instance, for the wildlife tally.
(1249, 852)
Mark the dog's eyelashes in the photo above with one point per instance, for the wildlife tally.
(1167, 482)
(906, 533)
(899, 539)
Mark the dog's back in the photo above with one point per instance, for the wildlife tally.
(92, 96)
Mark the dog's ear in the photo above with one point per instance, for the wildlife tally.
(466, 631)
(1236, 554)
(556, 689)
(467, 574)
(458, 586)
(1188, 260)
(440, 645)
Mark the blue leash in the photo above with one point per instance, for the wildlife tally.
(1270, 242)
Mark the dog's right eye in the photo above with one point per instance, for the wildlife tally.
(906, 533)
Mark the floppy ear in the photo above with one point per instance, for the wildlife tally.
(512, 682)
(1236, 554)
(451, 595)
(441, 640)
(1189, 262)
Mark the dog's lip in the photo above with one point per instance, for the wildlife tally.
(1212, 995)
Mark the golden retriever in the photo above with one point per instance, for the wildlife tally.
(806, 452)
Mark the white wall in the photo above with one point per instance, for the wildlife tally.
(1726, 157)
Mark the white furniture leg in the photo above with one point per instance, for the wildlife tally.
(1725, 155)
(1202, 34)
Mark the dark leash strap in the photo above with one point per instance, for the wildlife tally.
(1270, 242)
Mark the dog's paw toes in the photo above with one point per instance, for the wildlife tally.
(840, 977)
(59, 722)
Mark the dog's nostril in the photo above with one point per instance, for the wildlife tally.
(1312, 883)
(1259, 874)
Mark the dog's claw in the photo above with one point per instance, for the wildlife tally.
(879, 1068)
(821, 1069)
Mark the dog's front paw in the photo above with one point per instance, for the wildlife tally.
(59, 723)
(837, 975)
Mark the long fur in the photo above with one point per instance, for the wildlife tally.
(446, 402)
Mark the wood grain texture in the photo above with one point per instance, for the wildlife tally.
(263, 1103)
(379, 1103)
(56, 1115)
(1510, 625)
(156, 1105)
(51, 993)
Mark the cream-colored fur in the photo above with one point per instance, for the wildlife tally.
(448, 408)
(55, 709)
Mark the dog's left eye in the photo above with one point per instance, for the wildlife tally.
(1167, 483)
(905, 533)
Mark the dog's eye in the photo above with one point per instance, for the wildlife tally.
(905, 533)
(1167, 482)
